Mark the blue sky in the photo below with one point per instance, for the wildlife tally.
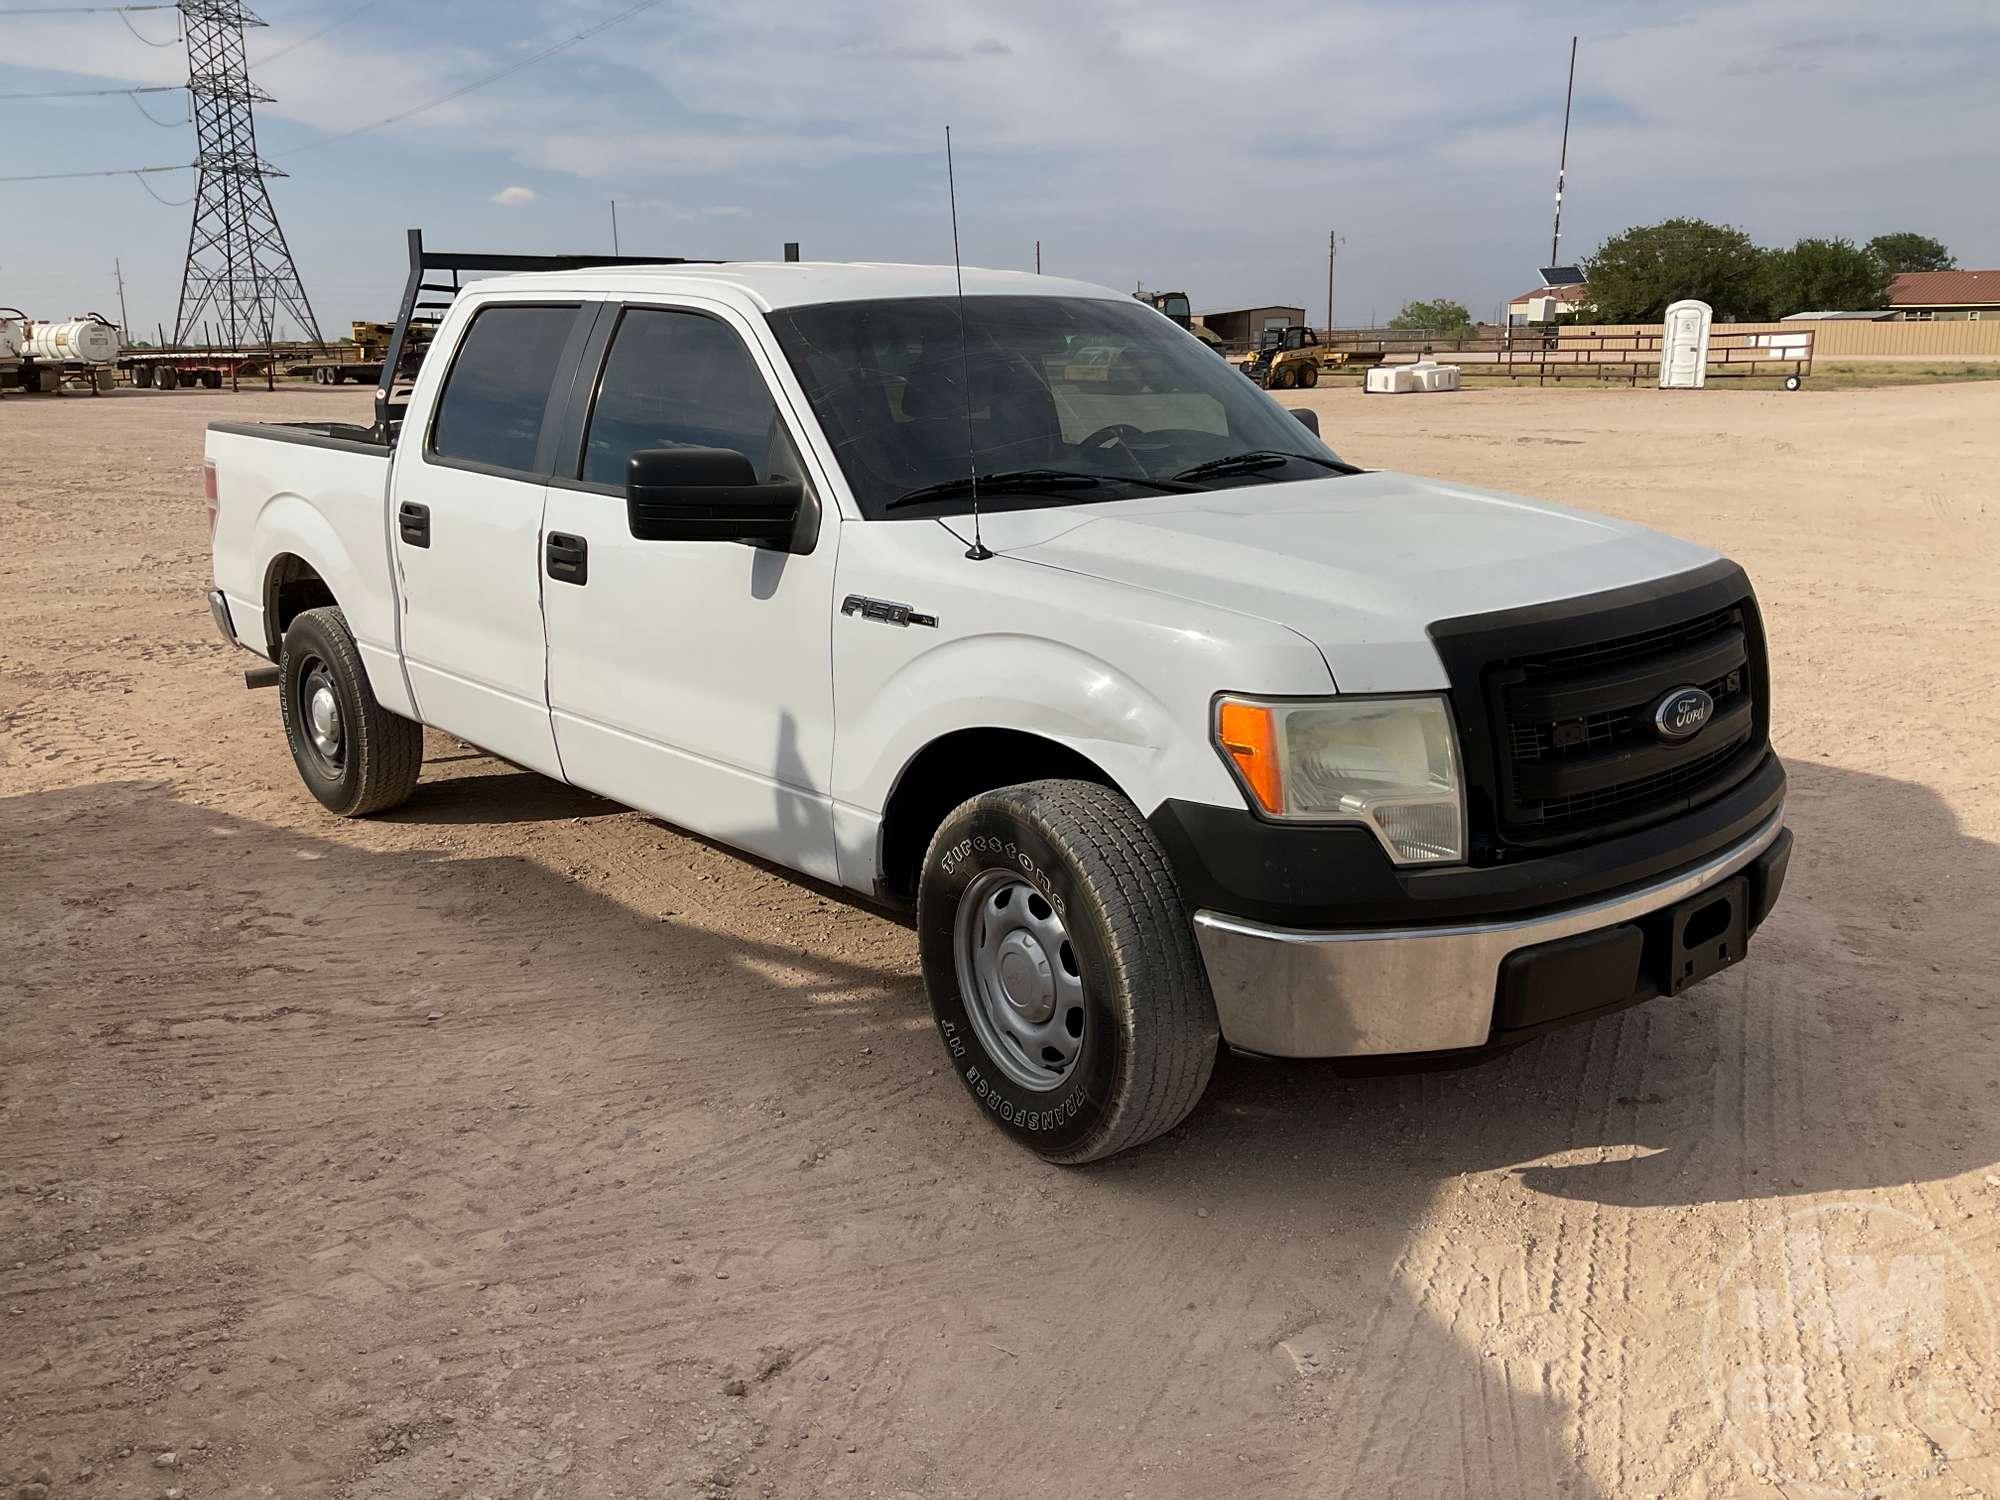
(1208, 147)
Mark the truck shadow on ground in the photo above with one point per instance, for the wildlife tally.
(772, 1102)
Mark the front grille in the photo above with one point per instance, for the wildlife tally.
(1555, 710)
(1639, 793)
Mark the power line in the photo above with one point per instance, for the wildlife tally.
(163, 202)
(84, 10)
(154, 119)
(120, 172)
(138, 35)
(149, 88)
(480, 83)
(271, 57)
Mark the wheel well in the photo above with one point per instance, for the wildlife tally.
(291, 587)
(949, 770)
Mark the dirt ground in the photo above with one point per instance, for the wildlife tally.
(515, 1145)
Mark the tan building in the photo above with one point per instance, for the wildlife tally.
(1242, 325)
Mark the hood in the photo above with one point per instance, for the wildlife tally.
(1360, 564)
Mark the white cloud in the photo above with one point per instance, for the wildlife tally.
(514, 197)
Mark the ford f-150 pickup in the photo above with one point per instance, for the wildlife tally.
(1013, 606)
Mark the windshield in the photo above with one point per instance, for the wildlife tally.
(1106, 393)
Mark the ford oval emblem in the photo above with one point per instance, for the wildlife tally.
(1681, 713)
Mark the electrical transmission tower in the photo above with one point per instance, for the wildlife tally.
(239, 268)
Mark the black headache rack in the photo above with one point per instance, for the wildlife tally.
(426, 300)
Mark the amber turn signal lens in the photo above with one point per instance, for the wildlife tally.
(1248, 735)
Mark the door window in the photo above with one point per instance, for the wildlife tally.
(681, 379)
(498, 388)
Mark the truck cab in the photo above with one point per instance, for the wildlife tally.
(1171, 727)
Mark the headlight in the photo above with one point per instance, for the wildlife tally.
(1388, 763)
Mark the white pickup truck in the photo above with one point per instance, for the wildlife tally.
(1018, 607)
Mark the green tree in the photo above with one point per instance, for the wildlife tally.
(1823, 276)
(1636, 275)
(1440, 316)
(1907, 251)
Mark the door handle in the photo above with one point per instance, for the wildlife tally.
(413, 523)
(568, 558)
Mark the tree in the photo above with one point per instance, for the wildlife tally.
(1441, 316)
(1634, 276)
(1907, 251)
(1823, 276)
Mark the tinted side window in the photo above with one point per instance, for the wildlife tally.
(491, 410)
(680, 379)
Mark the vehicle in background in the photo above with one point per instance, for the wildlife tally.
(1173, 728)
(43, 356)
(1294, 357)
(13, 334)
(1179, 311)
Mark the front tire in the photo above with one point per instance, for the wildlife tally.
(1062, 969)
(354, 755)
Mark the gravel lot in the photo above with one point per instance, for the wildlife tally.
(515, 1145)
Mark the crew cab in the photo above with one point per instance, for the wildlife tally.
(1000, 599)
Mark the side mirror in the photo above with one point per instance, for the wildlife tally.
(707, 495)
(1307, 419)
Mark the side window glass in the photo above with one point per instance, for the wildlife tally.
(498, 387)
(681, 379)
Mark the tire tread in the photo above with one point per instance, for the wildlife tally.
(1171, 1049)
(388, 748)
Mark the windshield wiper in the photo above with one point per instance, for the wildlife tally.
(1256, 459)
(1018, 481)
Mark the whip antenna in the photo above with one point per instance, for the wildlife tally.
(977, 551)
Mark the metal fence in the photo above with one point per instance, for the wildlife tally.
(1561, 353)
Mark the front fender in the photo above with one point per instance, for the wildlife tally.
(1039, 686)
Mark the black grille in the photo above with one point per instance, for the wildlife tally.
(1555, 710)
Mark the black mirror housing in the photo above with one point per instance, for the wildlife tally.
(1307, 419)
(707, 495)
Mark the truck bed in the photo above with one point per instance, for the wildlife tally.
(349, 435)
(287, 491)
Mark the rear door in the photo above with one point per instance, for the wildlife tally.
(467, 513)
(692, 680)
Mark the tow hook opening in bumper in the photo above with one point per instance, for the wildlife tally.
(1454, 989)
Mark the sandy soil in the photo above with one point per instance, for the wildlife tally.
(517, 1145)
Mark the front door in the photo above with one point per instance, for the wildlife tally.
(467, 512)
(692, 680)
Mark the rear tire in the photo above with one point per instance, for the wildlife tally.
(1062, 969)
(354, 755)
(1308, 377)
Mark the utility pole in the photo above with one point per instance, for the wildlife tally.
(1562, 165)
(614, 226)
(1333, 243)
(238, 263)
(124, 328)
(1038, 257)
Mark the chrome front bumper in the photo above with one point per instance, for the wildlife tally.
(1293, 993)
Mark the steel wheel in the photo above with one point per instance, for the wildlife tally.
(1018, 974)
(325, 733)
